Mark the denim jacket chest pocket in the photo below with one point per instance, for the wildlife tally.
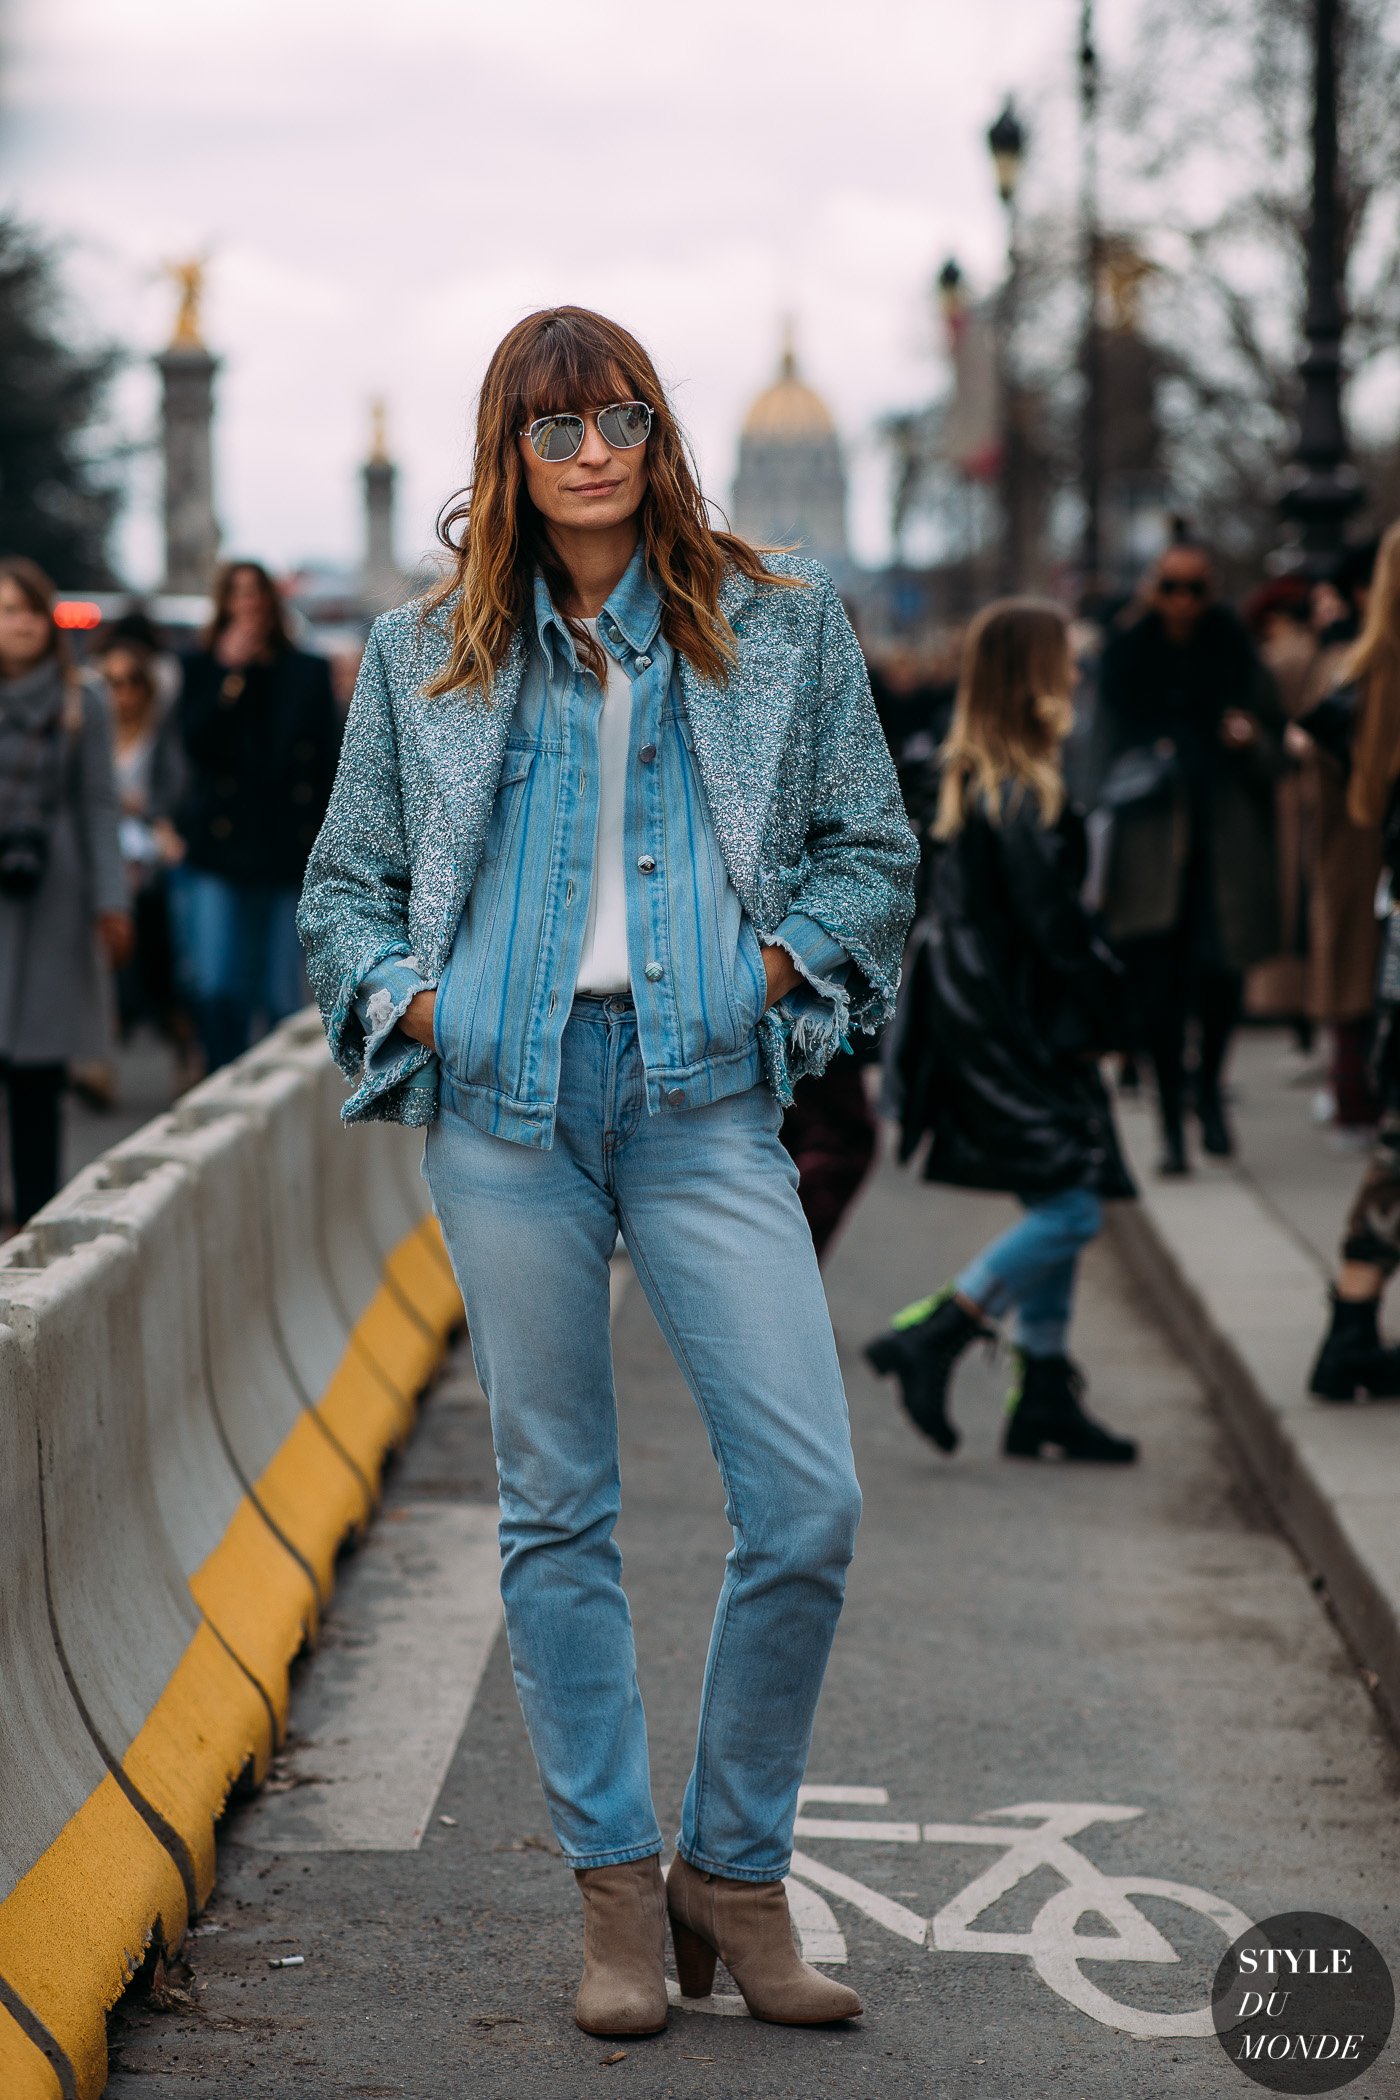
(511, 788)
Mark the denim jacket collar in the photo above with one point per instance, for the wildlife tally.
(631, 616)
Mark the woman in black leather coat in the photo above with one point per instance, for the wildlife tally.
(1009, 998)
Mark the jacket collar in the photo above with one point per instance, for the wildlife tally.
(631, 615)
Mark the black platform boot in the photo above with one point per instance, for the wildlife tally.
(1353, 1362)
(1048, 1413)
(921, 1349)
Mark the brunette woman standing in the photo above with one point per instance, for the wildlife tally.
(1009, 1001)
(615, 854)
(259, 732)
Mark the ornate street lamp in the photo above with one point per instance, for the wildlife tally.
(1325, 488)
(1006, 141)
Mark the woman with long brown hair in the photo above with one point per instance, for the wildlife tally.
(259, 731)
(615, 854)
(1009, 997)
(63, 903)
(1357, 729)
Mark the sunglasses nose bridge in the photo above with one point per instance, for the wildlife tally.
(593, 438)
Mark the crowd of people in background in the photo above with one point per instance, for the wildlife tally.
(1236, 772)
(156, 813)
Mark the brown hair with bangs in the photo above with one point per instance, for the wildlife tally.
(565, 360)
(1012, 713)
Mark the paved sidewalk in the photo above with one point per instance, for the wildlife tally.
(1237, 1260)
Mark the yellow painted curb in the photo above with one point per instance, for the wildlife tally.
(76, 1927)
(315, 1498)
(260, 1601)
(419, 1271)
(25, 2072)
(396, 1342)
(206, 1728)
(75, 1930)
(432, 1234)
(367, 1416)
(394, 1347)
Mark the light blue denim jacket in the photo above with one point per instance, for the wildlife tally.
(696, 968)
(426, 870)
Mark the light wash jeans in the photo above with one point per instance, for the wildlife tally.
(1032, 1267)
(238, 957)
(706, 1202)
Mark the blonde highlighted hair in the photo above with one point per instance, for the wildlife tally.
(565, 360)
(1373, 663)
(1011, 715)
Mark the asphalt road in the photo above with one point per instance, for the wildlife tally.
(1014, 1635)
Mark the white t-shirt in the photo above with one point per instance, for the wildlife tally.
(604, 966)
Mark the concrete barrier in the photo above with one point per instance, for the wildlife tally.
(402, 1302)
(367, 1411)
(169, 1707)
(299, 1477)
(254, 1592)
(208, 1343)
(85, 1883)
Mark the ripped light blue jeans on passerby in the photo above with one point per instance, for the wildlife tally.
(1032, 1267)
(706, 1202)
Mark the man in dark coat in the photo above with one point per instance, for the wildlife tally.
(1193, 737)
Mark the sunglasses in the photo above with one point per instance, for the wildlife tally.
(623, 425)
(1182, 587)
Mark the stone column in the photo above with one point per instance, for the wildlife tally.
(187, 371)
(187, 417)
(382, 580)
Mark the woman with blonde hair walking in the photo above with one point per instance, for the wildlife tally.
(1009, 998)
(615, 854)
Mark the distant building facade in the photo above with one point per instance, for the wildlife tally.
(791, 483)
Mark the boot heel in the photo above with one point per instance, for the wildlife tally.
(695, 1961)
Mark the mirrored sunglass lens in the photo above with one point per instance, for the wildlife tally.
(626, 424)
(557, 437)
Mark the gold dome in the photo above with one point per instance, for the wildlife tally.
(789, 408)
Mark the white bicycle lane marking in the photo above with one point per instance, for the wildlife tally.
(1030, 1835)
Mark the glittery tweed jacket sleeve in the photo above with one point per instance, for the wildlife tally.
(353, 918)
(806, 805)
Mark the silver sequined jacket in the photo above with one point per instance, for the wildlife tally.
(802, 794)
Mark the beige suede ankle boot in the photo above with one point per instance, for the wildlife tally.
(624, 1949)
(746, 1925)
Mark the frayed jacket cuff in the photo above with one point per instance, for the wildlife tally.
(816, 1014)
(384, 996)
(817, 954)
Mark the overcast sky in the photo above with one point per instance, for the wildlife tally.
(386, 187)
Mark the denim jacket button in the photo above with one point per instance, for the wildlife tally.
(647, 864)
(654, 973)
(675, 1096)
(647, 754)
(643, 663)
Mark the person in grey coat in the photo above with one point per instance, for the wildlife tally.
(64, 921)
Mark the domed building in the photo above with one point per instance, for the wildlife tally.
(791, 483)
